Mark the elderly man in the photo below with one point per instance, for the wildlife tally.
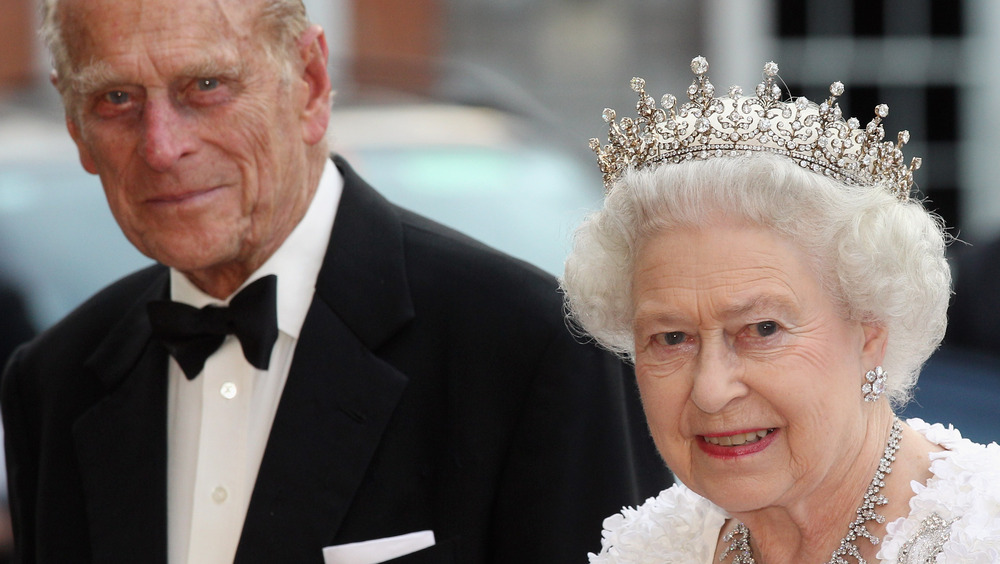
(411, 390)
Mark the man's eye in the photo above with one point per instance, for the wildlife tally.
(206, 84)
(766, 328)
(672, 338)
(117, 97)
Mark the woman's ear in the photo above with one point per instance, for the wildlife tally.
(876, 339)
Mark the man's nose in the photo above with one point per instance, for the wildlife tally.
(166, 135)
(718, 378)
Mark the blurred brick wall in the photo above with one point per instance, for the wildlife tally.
(395, 42)
(16, 42)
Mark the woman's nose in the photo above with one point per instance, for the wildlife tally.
(718, 378)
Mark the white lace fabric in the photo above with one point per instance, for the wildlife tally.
(954, 517)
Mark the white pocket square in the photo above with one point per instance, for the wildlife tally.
(378, 550)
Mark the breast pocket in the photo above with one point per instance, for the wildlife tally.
(441, 553)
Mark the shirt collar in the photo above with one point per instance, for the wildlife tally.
(296, 262)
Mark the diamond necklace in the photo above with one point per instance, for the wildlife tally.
(739, 537)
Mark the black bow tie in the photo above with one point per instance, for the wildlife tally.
(191, 335)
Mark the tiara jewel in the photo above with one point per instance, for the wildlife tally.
(814, 136)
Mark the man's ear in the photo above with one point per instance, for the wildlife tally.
(316, 111)
(74, 131)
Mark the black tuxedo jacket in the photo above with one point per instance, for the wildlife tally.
(434, 386)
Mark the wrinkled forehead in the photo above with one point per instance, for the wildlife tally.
(95, 29)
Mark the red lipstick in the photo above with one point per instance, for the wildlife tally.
(737, 451)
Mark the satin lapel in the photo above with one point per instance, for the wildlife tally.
(121, 443)
(339, 396)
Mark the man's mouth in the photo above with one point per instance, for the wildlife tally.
(739, 439)
(175, 197)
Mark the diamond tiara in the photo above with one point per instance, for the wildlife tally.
(816, 137)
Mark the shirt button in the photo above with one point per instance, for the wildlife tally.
(228, 390)
(219, 494)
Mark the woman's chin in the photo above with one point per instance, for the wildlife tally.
(736, 494)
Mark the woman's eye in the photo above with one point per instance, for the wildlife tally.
(672, 338)
(766, 328)
(206, 84)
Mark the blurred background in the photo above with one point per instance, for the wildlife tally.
(478, 112)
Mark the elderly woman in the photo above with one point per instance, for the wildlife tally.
(762, 263)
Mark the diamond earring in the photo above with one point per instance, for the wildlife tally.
(874, 384)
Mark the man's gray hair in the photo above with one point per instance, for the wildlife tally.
(881, 260)
(279, 22)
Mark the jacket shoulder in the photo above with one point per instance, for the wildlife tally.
(434, 254)
(82, 329)
(459, 260)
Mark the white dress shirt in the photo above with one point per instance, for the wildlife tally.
(219, 422)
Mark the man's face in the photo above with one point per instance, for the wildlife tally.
(199, 139)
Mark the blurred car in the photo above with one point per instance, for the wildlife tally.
(479, 170)
(58, 241)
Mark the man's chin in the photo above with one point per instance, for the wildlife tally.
(196, 258)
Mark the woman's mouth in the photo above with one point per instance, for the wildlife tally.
(737, 445)
(739, 438)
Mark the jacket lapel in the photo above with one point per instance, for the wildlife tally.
(339, 396)
(121, 442)
(363, 279)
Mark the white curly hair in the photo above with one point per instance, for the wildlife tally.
(881, 260)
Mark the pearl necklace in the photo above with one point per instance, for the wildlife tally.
(739, 537)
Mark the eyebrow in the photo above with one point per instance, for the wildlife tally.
(91, 77)
(670, 315)
(211, 68)
(757, 303)
(99, 74)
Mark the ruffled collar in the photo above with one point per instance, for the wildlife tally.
(964, 490)
(676, 526)
(679, 526)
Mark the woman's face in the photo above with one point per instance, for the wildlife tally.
(750, 378)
